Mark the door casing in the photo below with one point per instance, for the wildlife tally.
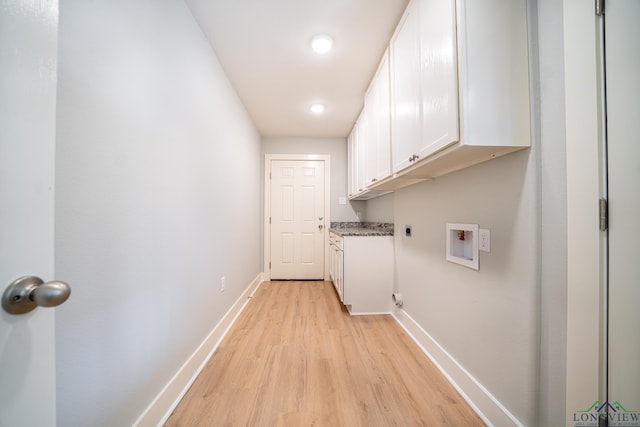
(623, 155)
(586, 244)
(267, 205)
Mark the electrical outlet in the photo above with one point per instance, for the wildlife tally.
(223, 284)
(484, 243)
(358, 216)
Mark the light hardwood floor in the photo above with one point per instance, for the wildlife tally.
(296, 358)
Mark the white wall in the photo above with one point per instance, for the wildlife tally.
(553, 210)
(505, 324)
(488, 319)
(337, 149)
(158, 192)
(380, 209)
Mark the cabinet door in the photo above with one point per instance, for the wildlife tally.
(332, 260)
(382, 117)
(340, 274)
(439, 75)
(351, 160)
(405, 88)
(371, 153)
(378, 121)
(360, 141)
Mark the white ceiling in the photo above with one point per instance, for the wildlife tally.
(263, 46)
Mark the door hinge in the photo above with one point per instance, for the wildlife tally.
(604, 214)
(269, 220)
(269, 265)
(599, 7)
(269, 175)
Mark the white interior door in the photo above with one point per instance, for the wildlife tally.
(623, 149)
(28, 64)
(297, 219)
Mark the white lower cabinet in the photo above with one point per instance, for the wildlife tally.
(336, 263)
(362, 272)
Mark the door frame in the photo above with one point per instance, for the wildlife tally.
(326, 158)
(585, 242)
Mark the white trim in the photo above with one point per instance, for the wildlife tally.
(488, 408)
(584, 268)
(326, 158)
(372, 313)
(166, 401)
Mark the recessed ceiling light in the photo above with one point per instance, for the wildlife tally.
(321, 43)
(317, 108)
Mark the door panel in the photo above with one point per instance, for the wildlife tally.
(623, 149)
(297, 223)
(308, 204)
(308, 248)
(286, 245)
(28, 63)
(286, 192)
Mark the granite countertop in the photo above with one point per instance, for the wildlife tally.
(362, 228)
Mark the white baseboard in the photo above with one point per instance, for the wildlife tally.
(492, 412)
(373, 313)
(163, 405)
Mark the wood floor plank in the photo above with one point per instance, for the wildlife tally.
(295, 357)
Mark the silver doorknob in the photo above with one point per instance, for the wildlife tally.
(28, 292)
(320, 227)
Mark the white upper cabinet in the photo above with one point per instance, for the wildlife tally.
(463, 98)
(458, 93)
(493, 73)
(439, 76)
(371, 155)
(351, 165)
(377, 109)
(406, 89)
(369, 144)
(361, 151)
(357, 152)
